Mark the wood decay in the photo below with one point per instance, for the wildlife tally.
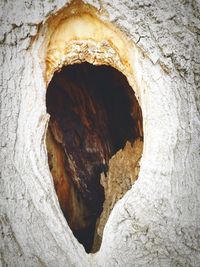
(93, 113)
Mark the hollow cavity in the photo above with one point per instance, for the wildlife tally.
(94, 113)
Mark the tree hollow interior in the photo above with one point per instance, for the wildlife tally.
(93, 113)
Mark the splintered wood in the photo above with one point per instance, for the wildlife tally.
(122, 172)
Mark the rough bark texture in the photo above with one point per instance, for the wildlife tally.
(157, 222)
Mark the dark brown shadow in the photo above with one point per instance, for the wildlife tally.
(93, 113)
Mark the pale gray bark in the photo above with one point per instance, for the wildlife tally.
(157, 223)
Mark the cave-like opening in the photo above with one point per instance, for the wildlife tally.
(93, 113)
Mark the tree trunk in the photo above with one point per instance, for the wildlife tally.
(157, 222)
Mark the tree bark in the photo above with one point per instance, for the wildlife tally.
(157, 222)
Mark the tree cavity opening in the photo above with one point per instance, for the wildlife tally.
(94, 114)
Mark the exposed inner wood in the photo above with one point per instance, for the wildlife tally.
(94, 113)
(123, 170)
(80, 25)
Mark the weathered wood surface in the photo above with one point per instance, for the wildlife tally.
(157, 222)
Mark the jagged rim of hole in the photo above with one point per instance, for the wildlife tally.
(94, 53)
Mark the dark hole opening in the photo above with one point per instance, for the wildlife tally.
(93, 113)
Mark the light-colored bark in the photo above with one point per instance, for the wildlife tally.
(157, 223)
